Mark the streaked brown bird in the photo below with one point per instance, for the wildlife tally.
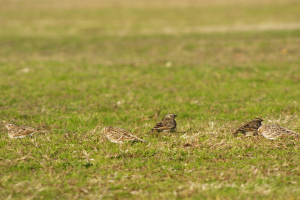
(274, 131)
(250, 128)
(168, 124)
(20, 131)
(119, 135)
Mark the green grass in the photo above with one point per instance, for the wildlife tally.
(68, 67)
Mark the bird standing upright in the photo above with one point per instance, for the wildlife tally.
(168, 124)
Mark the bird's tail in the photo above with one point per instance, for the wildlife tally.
(154, 130)
(151, 131)
(41, 131)
(236, 132)
(143, 140)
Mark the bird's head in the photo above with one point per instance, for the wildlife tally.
(170, 116)
(258, 121)
(9, 126)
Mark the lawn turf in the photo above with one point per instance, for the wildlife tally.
(70, 66)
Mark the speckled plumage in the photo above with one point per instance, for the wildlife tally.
(20, 131)
(274, 131)
(168, 124)
(119, 135)
(250, 128)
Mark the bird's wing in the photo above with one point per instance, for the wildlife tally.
(286, 132)
(163, 125)
(244, 128)
(125, 135)
(23, 132)
(274, 131)
(249, 127)
(119, 134)
(26, 127)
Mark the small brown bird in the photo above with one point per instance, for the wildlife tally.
(250, 128)
(168, 124)
(119, 135)
(274, 131)
(20, 131)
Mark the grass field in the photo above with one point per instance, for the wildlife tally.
(69, 66)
